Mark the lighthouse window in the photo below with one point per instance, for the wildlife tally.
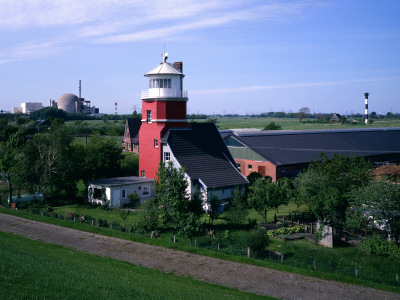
(149, 113)
(156, 143)
(160, 83)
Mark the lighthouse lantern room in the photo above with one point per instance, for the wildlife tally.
(163, 107)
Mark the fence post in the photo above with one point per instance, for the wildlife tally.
(275, 218)
(58, 216)
(397, 277)
(248, 251)
(218, 247)
(152, 235)
(315, 264)
(74, 218)
(195, 243)
(174, 239)
(356, 272)
(111, 226)
(282, 258)
(298, 222)
(311, 228)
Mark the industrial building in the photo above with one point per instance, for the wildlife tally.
(27, 107)
(286, 153)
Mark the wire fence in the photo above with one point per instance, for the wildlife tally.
(390, 276)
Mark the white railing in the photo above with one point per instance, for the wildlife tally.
(163, 93)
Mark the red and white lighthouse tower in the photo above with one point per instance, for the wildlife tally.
(163, 107)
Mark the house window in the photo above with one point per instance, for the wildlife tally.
(146, 190)
(167, 156)
(149, 115)
(123, 194)
(250, 167)
(238, 165)
(142, 173)
(156, 143)
(283, 170)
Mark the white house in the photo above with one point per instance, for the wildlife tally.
(117, 190)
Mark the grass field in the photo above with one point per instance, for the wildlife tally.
(35, 270)
(294, 124)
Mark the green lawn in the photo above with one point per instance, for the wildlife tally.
(294, 124)
(32, 269)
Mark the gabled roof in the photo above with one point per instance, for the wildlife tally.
(133, 125)
(119, 181)
(164, 68)
(204, 155)
(296, 147)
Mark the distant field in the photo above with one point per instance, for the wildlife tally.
(294, 124)
(36, 270)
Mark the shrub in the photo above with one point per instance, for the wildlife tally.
(273, 126)
(375, 245)
(285, 230)
(255, 239)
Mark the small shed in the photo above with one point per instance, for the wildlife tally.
(117, 190)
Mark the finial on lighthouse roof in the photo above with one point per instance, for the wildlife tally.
(165, 56)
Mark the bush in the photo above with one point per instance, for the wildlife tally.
(273, 126)
(375, 245)
(255, 239)
(285, 230)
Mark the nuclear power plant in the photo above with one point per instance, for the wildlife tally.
(74, 104)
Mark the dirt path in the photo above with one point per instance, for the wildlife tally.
(241, 276)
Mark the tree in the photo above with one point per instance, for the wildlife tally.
(236, 212)
(252, 177)
(381, 201)
(9, 155)
(273, 126)
(123, 213)
(303, 112)
(213, 207)
(265, 195)
(170, 194)
(326, 185)
(147, 217)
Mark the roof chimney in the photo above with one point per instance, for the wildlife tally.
(178, 65)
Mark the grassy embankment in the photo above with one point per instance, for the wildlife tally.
(32, 269)
(299, 255)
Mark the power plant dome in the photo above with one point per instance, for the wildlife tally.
(67, 102)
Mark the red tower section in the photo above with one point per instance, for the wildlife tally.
(163, 107)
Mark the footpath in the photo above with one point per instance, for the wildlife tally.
(243, 277)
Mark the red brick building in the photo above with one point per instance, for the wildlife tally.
(130, 140)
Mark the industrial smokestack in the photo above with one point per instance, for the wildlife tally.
(116, 108)
(80, 89)
(366, 108)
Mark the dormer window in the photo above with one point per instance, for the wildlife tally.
(160, 83)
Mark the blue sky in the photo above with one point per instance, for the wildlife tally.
(239, 56)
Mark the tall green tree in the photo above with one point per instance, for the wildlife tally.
(381, 201)
(265, 195)
(236, 211)
(170, 189)
(9, 153)
(326, 185)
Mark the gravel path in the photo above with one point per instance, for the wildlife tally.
(244, 277)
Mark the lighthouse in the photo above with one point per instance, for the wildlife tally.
(163, 107)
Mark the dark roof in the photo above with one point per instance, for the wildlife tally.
(204, 155)
(116, 181)
(134, 125)
(296, 147)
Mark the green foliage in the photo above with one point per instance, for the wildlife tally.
(196, 204)
(326, 185)
(147, 218)
(47, 112)
(255, 239)
(253, 176)
(130, 165)
(236, 211)
(265, 195)
(192, 227)
(375, 245)
(273, 126)
(286, 230)
(214, 205)
(380, 200)
(170, 192)
(133, 199)
(123, 213)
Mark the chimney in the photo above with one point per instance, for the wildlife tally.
(366, 108)
(178, 65)
(80, 88)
